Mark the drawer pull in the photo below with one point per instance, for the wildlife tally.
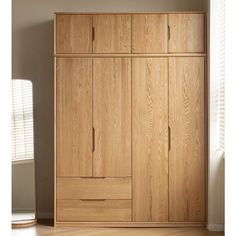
(101, 200)
(91, 177)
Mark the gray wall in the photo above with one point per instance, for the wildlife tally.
(23, 186)
(33, 60)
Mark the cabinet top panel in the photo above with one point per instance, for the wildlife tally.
(125, 13)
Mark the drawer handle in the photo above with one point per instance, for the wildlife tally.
(91, 177)
(101, 200)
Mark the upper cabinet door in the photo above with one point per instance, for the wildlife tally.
(74, 116)
(73, 34)
(112, 33)
(112, 117)
(149, 33)
(187, 33)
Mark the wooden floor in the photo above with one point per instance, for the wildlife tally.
(46, 229)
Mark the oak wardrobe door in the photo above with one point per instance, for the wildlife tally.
(187, 33)
(73, 33)
(112, 117)
(186, 155)
(150, 139)
(149, 33)
(74, 116)
(112, 33)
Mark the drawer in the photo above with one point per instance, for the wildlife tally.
(93, 210)
(94, 188)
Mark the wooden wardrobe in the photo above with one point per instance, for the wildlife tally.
(130, 115)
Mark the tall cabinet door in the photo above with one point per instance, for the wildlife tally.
(112, 117)
(112, 33)
(150, 139)
(74, 116)
(187, 33)
(186, 155)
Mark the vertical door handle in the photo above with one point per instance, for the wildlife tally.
(168, 32)
(93, 141)
(169, 137)
(93, 34)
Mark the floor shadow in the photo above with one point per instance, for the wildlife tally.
(46, 222)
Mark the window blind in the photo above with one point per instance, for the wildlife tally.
(22, 120)
(220, 24)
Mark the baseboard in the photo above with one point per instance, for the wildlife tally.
(44, 215)
(132, 224)
(216, 227)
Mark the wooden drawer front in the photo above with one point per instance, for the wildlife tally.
(94, 188)
(95, 210)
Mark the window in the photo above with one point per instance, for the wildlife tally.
(22, 120)
(220, 48)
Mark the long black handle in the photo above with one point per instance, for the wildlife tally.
(93, 146)
(168, 32)
(93, 34)
(169, 137)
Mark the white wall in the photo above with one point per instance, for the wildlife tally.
(33, 60)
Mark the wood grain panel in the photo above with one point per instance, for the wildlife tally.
(74, 34)
(112, 116)
(74, 116)
(108, 210)
(149, 33)
(112, 33)
(187, 33)
(94, 188)
(150, 139)
(186, 156)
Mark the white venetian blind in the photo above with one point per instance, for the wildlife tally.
(22, 120)
(220, 42)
